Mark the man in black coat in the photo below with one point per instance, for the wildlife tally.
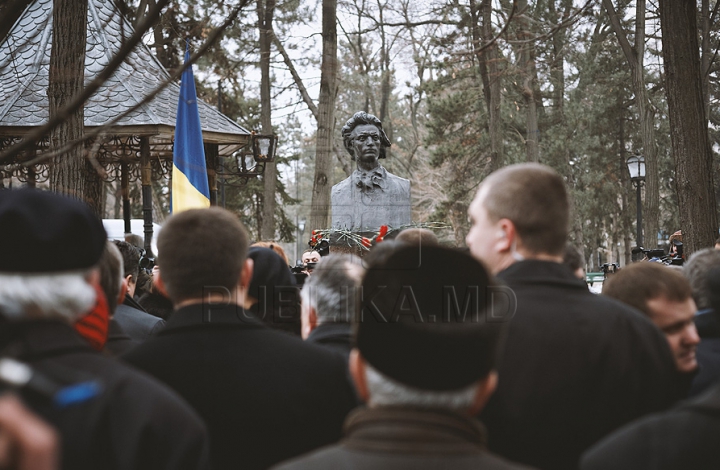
(328, 302)
(265, 395)
(703, 272)
(684, 437)
(132, 318)
(576, 366)
(108, 415)
(424, 370)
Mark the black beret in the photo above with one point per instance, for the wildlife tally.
(43, 232)
(422, 320)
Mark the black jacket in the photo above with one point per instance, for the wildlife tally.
(576, 366)
(135, 322)
(336, 337)
(118, 342)
(708, 352)
(134, 423)
(685, 437)
(405, 438)
(266, 396)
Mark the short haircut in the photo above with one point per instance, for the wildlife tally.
(638, 283)
(417, 237)
(274, 247)
(534, 199)
(573, 257)
(385, 391)
(200, 249)
(131, 259)
(358, 119)
(135, 240)
(333, 288)
(111, 274)
(696, 270)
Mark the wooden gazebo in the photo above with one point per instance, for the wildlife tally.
(139, 146)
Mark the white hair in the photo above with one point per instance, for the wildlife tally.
(66, 295)
(333, 287)
(385, 391)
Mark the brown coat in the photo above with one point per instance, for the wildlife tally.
(404, 438)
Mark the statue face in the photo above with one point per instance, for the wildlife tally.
(366, 143)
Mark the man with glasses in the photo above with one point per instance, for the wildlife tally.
(371, 196)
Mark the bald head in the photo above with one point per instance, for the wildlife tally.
(534, 199)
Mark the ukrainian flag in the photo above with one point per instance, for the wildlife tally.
(190, 189)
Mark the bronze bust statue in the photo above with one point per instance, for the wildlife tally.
(371, 196)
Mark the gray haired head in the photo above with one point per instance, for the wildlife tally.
(333, 287)
(696, 270)
(359, 118)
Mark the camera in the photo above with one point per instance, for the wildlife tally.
(322, 247)
(609, 268)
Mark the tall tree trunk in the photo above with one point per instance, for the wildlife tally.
(526, 53)
(489, 72)
(646, 116)
(688, 125)
(320, 208)
(705, 57)
(265, 19)
(67, 70)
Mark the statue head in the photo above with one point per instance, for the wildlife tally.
(359, 118)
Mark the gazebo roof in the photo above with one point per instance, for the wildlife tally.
(24, 71)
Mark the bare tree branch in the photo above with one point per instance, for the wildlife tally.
(622, 38)
(91, 87)
(104, 128)
(296, 77)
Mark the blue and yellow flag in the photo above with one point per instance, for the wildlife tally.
(190, 188)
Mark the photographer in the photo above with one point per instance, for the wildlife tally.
(310, 258)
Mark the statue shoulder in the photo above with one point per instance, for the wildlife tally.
(342, 185)
(398, 180)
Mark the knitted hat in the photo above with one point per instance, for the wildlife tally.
(43, 232)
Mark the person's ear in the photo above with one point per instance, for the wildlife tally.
(485, 389)
(128, 281)
(246, 274)
(123, 292)
(312, 318)
(357, 371)
(160, 284)
(505, 236)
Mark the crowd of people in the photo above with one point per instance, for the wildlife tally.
(417, 355)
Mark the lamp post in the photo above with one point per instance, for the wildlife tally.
(298, 241)
(636, 166)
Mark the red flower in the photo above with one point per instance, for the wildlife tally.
(314, 232)
(366, 242)
(379, 239)
(383, 231)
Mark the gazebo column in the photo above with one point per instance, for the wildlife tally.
(146, 179)
(31, 176)
(125, 193)
(211, 162)
(31, 170)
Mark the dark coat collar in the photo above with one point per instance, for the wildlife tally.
(534, 271)
(708, 324)
(202, 315)
(31, 340)
(130, 302)
(413, 430)
(332, 332)
(706, 402)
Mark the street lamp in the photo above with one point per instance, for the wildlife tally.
(298, 241)
(636, 166)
